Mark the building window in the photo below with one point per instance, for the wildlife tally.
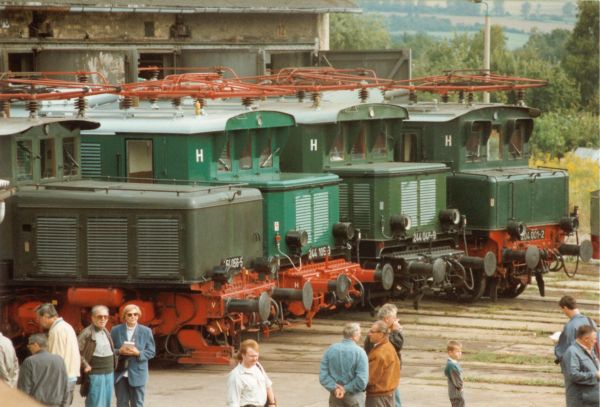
(246, 154)
(149, 28)
(266, 155)
(473, 144)
(359, 148)
(380, 145)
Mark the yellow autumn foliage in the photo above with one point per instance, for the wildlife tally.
(584, 177)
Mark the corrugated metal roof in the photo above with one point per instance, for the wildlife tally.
(192, 6)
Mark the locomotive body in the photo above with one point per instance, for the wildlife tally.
(170, 249)
(227, 144)
(519, 213)
(399, 208)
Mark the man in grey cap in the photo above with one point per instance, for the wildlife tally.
(43, 375)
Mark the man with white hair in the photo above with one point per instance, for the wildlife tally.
(344, 370)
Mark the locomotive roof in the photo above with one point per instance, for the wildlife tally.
(514, 172)
(190, 6)
(330, 111)
(388, 169)
(14, 125)
(165, 121)
(98, 194)
(445, 112)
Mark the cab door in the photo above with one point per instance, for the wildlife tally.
(139, 161)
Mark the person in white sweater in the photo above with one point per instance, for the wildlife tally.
(62, 341)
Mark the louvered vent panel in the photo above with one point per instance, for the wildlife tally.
(304, 215)
(321, 217)
(91, 160)
(344, 209)
(158, 246)
(107, 246)
(56, 245)
(361, 209)
(427, 190)
(410, 198)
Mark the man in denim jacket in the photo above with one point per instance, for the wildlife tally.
(345, 370)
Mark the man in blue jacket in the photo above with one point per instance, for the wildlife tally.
(581, 369)
(345, 370)
(134, 345)
(568, 306)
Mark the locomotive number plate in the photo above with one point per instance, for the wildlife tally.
(424, 236)
(319, 252)
(534, 234)
(234, 262)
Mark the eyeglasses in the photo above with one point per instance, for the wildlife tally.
(102, 316)
(132, 314)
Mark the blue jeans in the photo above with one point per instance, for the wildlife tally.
(129, 396)
(397, 401)
(101, 387)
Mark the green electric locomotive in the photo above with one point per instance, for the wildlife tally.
(173, 250)
(398, 208)
(519, 213)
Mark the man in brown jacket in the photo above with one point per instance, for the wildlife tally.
(97, 360)
(384, 368)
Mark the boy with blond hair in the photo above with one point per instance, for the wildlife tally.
(454, 374)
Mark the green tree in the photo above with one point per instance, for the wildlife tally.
(582, 48)
(356, 32)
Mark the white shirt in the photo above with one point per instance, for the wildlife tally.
(247, 386)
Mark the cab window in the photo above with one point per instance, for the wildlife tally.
(515, 144)
(266, 155)
(48, 158)
(70, 164)
(246, 154)
(359, 149)
(336, 153)
(473, 144)
(379, 146)
(224, 161)
(24, 160)
(494, 144)
(407, 148)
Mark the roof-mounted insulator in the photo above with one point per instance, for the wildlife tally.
(81, 105)
(301, 95)
(153, 103)
(363, 95)
(470, 98)
(126, 103)
(445, 98)
(220, 72)
(520, 98)
(154, 74)
(316, 99)
(412, 96)
(199, 106)
(247, 102)
(5, 108)
(82, 78)
(461, 96)
(32, 107)
(176, 103)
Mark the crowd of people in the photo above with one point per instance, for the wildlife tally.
(369, 375)
(98, 359)
(354, 375)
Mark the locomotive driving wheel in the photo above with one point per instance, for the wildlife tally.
(517, 280)
(513, 289)
(472, 287)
